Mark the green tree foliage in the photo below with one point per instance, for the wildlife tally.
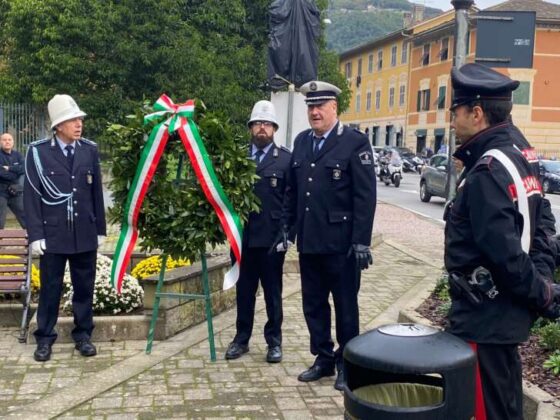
(176, 216)
(349, 29)
(110, 54)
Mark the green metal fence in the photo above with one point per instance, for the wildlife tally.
(25, 122)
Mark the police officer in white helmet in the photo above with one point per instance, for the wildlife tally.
(63, 202)
(259, 233)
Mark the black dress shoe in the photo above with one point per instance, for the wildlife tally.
(274, 354)
(236, 350)
(86, 348)
(315, 373)
(339, 382)
(43, 352)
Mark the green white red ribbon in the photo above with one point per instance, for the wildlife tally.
(180, 120)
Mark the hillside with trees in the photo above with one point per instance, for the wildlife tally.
(355, 22)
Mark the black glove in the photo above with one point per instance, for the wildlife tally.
(552, 310)
(363, 255)
(281, 238)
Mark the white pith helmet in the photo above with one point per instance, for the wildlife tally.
(263, 111)
(63, 108)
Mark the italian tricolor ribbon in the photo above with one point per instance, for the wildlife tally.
(180, 119)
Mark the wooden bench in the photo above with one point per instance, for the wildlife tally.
(15, 271)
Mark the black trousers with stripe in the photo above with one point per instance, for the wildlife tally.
(500, 377)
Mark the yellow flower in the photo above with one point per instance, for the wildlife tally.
(35, 279)
(152, 265)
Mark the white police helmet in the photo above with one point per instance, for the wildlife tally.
(63, 108)
(263, 111)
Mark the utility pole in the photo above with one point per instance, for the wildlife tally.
(461, 35)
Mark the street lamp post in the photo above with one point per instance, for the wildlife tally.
(461, 35)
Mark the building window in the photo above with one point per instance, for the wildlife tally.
(348, 70)
(444, 52)
(391, 97)
(368, 101)
(379, 59)
(423, 101)
(425, 60)
(358, 100)
(404, 53)
(393, 56)
(377, 99)
(359, 66)
(441, 97)
(402, 93)
(370, 63)
(521, 95)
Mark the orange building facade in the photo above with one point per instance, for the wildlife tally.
(536, 109)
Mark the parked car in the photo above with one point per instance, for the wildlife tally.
(433, 180)
(549, 175)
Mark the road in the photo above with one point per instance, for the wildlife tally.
(408, 197)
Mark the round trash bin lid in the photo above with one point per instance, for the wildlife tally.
(408, 330)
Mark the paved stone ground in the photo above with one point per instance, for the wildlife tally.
(179, 381)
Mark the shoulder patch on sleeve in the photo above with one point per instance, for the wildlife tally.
(366, 157)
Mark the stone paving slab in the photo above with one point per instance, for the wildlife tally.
(188, 385)
(179, 381)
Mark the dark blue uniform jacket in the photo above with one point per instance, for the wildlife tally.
(16, 168)
(50, 222)
(331, 197)
(262, 227)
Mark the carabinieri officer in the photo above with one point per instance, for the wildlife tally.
(492, 236)
(63, 201)
(330, 203)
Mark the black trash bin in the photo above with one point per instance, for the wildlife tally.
(409, 372)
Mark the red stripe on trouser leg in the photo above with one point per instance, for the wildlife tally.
(480, 409)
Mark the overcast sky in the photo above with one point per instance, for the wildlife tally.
(481, 4)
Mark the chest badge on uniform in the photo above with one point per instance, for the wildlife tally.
(273, 182)
(365, 158)
(89, 178)
(336, 174)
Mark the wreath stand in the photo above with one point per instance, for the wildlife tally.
(206, 296)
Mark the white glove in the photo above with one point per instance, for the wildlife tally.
(100, 240)
(38, 247)
(280, 246)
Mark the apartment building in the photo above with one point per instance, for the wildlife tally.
(425, 75)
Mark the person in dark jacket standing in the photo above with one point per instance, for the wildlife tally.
(12, 171)
(492, 229)
(330, 204)
(273, 165)
(63, 201)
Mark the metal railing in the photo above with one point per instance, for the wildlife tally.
(25, 122)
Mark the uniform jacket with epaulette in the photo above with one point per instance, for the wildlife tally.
(331, 196)
(484, 229)
(262, 227)
(52, 222)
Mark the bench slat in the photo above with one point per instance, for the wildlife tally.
(13, 233)
(10, 287)
(20, 277)
(15, 260)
